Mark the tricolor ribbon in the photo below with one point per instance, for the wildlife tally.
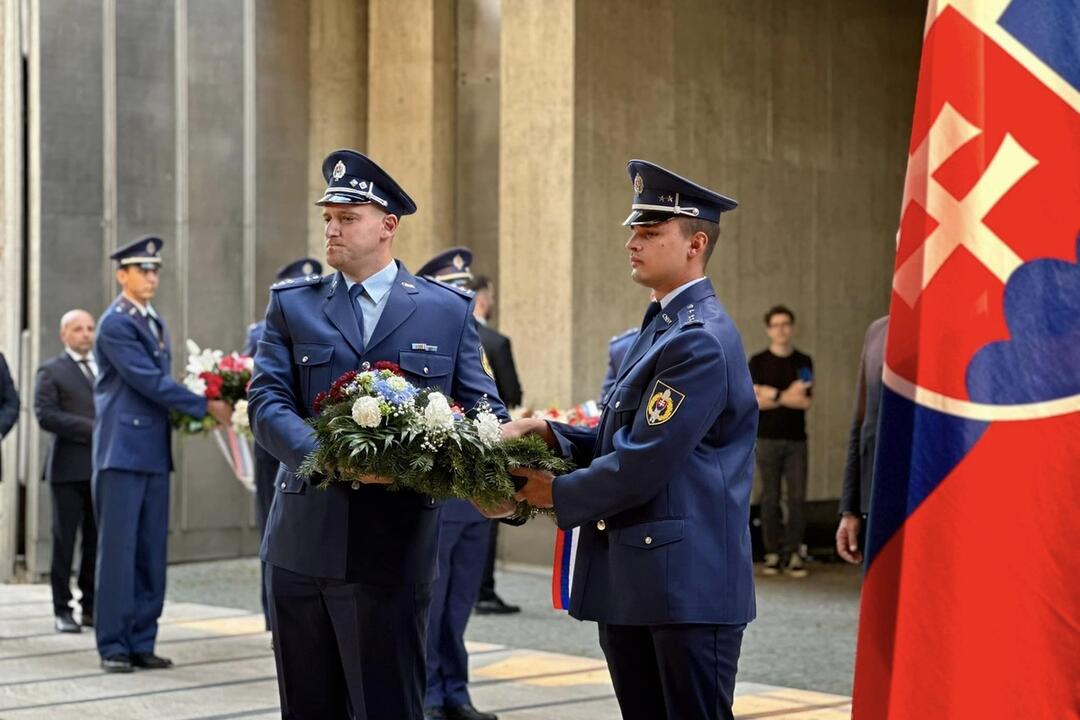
(237, 453)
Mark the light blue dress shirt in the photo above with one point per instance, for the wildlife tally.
(373, 299)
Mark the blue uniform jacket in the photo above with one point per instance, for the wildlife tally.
(134, 393)
(663, 494)
(311, 338)
(254, 335)
(616, 351)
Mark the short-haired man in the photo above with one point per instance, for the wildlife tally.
(350, 572)
(783, 378)
(64, 405)
(663, 491)
(132, 461)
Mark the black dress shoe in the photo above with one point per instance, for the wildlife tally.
(65, 623)
(435, 712)
(494, 605)
(87, 619)
(150, 661)
(468, 712)
(117, 664)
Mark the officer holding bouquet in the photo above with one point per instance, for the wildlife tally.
(350, 571)
(132, 461)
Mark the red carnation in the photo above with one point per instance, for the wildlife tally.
(320, 401)
(388, 365)
(213, 385)
(337, 389)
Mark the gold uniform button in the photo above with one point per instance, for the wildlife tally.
(648, 540)
(601, 525)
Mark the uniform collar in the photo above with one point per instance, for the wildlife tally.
(144, 310)
(675, 293)
(378, 284)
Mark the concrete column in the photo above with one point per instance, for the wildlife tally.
(337, 108)
(411, 107)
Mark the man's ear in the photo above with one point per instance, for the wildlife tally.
(699, 242)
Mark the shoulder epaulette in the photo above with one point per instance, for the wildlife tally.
(304, 281)
(690, 316)
(462, 292)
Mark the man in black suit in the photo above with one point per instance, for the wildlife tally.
(64, 405)
(497, 348)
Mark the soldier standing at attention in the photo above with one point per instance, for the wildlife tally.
(132, 461)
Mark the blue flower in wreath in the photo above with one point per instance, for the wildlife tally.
(395, 390)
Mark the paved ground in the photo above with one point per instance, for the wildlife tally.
(804, 636)
(538, 664)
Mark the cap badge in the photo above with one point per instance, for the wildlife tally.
(339, 170)
(354, 182)
(459, 263)
(639, 184)
(307, 268)
(151, 248)
(363, 185)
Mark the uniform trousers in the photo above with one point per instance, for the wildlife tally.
(266, 466)
(673, 672)
(347, 649)
(462, 553)
(132, 510)
(73, 508)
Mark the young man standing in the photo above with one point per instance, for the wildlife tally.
(783, 377)
(662, 492)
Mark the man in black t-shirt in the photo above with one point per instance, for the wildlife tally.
(783, 377)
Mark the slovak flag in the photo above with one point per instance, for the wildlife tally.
(971, 601)
(562, 574)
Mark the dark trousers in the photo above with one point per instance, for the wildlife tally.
(487, 581)
(132, 511)
(266, 466)
(72, 508)
(347, 650)
(462, 553)
(673, 672)
(782, 461)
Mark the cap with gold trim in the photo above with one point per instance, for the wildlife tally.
(144, 252)
(354, 179)
(660, 195)
(450, 266)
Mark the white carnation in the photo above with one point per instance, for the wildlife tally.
(437, 415)
(195, 384)
(240, 415)
(397, 383)
(200, 361)
(366, 412)
(487, 427)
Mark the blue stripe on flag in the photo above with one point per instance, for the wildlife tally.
(1049, 29)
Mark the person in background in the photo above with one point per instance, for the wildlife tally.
(464, 539)
(64, 406)
(9, 400)
(497, 348)
(132, 455)
(862, 442)
(783, 378)
(266, 465)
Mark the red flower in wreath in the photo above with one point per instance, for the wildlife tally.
(388, 365)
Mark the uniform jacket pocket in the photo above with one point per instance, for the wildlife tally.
(650, 535)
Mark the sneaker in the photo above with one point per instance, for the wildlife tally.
(795, 567)
(772, 564)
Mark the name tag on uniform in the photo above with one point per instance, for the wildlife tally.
(424, 347)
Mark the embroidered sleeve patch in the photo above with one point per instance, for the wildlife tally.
(664, 401)
(486, 363)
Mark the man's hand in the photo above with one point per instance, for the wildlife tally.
(221, 411)
(847, 538)
(528, 426)
(766, 397)
(496, 512)
(538, 487)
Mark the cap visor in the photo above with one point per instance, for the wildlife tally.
(647, 217)
(341, 199)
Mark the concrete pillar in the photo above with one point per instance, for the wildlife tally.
(337, 94)
(477, 176)
(411, 107)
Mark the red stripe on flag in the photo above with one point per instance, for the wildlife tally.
(556, 571)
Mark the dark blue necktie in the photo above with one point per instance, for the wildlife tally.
(650, 313)
(354, 297)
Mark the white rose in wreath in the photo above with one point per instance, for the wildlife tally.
(366, 412)
(487, 427)
(437, 415)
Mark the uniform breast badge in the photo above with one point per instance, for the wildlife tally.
(486, 364)
(663, 403)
